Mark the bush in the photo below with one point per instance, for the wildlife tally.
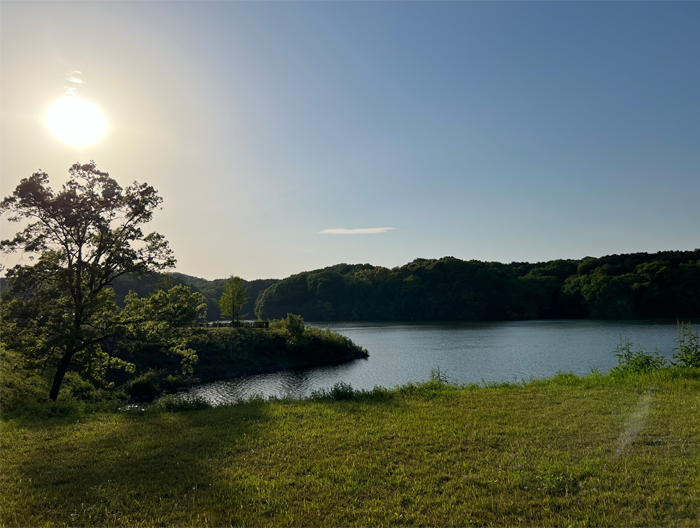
(174, 403)
(311, 340)
(154, 382)
(688, 347)
(147, 384)
(638, 362)
(339, 391)
(344, 391)
(81, 389)
(293, 329)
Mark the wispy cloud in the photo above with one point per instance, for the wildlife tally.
(364, 231)
(71, 77)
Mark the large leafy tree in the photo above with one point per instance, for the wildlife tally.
(59, 310)
(233, 298)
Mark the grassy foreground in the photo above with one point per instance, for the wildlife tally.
(593, 451)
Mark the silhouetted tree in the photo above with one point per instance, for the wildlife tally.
(60, 310)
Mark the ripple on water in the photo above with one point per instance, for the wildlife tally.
(466, 352)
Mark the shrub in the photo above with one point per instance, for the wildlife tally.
(342, 391)
(154, 382)
(87, 390)
(292, 328)
(174, 403)
(637, 362)
(312, 341)
(688, 347)
(146, 384)
(339, 391)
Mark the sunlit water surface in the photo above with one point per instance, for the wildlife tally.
(465, 352)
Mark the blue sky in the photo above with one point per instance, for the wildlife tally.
(490, 131)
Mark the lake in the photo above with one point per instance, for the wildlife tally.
(465, 352)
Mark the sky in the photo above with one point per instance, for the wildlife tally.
(290, 136)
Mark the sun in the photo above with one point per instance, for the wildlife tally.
(75, 121)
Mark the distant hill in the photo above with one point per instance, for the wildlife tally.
(638, 285)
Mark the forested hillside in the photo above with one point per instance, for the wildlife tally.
(637, 285)
(665, 284)
(211, 290)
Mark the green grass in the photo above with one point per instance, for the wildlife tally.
(568, 451)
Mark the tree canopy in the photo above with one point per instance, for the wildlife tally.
(664, 284)
(59, 310)
(233, 298)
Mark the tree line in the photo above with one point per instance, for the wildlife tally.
(639, 285)
(628, 286)
(210, 290)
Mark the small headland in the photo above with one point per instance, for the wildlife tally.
(235, 352)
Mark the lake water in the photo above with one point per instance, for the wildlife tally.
(464, 352)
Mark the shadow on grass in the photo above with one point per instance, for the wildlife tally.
(106, 461)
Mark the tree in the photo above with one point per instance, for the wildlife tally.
(60, 310)
(233, 298)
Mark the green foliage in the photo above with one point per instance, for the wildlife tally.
(315, 342)
(637, 362)
(166, 318)
(233, 298)
(24, 389)
(293, 329)
(665, 284)
(177, 403)
(339, 391)
(688, 347)
(344, 392)
(153, 383)
(79, 388)
(60, 312)
(18, 385)
(640, 285)
(230, 352)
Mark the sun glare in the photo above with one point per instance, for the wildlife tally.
(75, 121)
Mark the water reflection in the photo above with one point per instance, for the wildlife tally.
(465, 352)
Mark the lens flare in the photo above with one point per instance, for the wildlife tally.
(76, 121)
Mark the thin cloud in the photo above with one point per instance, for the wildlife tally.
(71, 78)
(365, 231)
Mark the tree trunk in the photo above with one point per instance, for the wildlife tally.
(60, 374)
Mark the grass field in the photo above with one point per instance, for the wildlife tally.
(593, 451)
